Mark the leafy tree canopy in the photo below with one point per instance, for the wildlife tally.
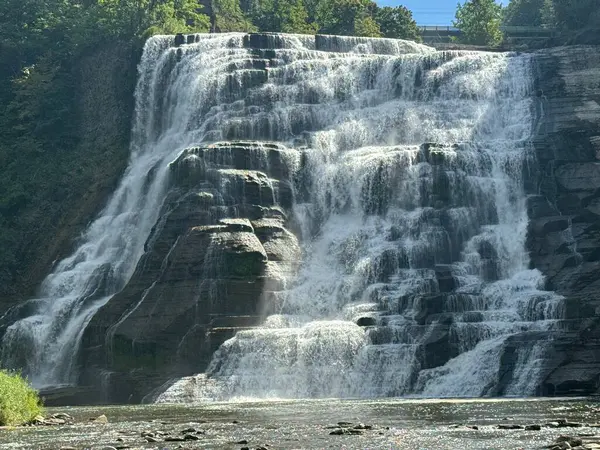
(565, 15)
(479, 21)
(228, 16)
(524, 13)
(287, 16)
(576, 14)
(398, 23)
(345, 17)
(366, 26)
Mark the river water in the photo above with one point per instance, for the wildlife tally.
(307, 424)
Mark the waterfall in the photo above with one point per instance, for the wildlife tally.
(412, 211)
(410, 204)
(45, 344)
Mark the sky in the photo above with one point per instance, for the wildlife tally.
(428, 12)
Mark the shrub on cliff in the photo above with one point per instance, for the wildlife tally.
(19, 402)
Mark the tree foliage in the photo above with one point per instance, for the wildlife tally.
(547, 14)
(347, 17)
(287, 16)
(565, 15)
(576, 14)
(341, 17)
(366, 26)
(398, 23)
(293, 18)
(228, 16)
(479, 22)
(524, 13)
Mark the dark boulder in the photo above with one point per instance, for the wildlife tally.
(366, 322)
(179, 40)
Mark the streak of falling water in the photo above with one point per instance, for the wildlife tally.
(45, 344)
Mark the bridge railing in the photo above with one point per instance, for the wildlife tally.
(506, 29)
(446, 28)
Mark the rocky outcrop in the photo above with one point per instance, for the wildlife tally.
(213, 265)
(564, 210)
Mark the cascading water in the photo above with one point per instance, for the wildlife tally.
(410, 201)
(413, 217)
(45, 344)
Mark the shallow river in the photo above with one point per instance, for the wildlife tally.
(397, 424)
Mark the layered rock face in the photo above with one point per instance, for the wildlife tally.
(564, 210)
(213, 265)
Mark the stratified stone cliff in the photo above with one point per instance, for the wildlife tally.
(214, 264)
(564, 210)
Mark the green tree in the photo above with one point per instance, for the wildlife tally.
(294, 18)
(548, 15)
(398, 23)
(228, 16)
(287, 16)
(345, 17)
(262, 14)
(366, 26)
(566, 14)
(124, 18)
(479, 21)
(576, 14)
(524, 13)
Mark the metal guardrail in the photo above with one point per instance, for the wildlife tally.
(446, 33)
(438, 28)
(515, 30)
(506, 29)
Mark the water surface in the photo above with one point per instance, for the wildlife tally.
(397, 424)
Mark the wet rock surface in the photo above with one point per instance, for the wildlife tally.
(580, 442)
(564, 233)
(213, 266)
(54, 419)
